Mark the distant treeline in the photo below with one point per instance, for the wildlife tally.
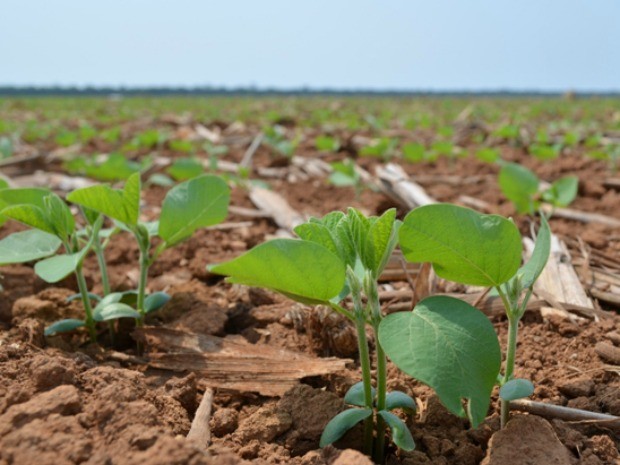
(57, 91)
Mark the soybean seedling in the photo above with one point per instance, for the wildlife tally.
(522, 187)
(345, 174)
(197, 203)
(53, 226)
(342, 256)
(483, 250)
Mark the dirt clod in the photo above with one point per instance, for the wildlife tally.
(527, 440)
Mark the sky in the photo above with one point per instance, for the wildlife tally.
(547, 45)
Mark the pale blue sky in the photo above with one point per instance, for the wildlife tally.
(374, 44)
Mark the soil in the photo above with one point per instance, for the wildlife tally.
(64, 401)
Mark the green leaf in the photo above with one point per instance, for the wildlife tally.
(562, 192)
(450, 346)
(319, 234)
(398, 399)
(355, 395)
(185, 168)
(401, 436)
(463, 245)
(519, 185)
(121, 205)
(197, 203)
(54, 269)
(64, 326)
(26, 246)
(302, 270)
(59, 216)
(380, 242)
(155, 301)
(530, 272)
(516, 389)
(28, 196)
(342, 423)
(114, 311)
(30, 215)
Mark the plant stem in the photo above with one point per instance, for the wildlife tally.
(144, 271)
(105, 281)
(90, 322)
(381, 395)
(360, 324)
(511, 350)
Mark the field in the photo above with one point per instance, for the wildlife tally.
(268, 373)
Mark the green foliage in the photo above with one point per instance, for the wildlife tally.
(522, 187)
(401, 436)
(462, 245)
(181, 145)
(113, 167)
(487, 254)
(302, 270)
(545, 152)
(194, 204)
(414, 152)
(519, 185)
(488, 155)
(341, 423)
(562, 192)
(383, 148)
(345, 174)
(183, 169)
(509, 132)
(327, 144)
(468, 365)
(516, 389)
(120, 205)
(26, 246)
(66, 139)
(275, 138)
(6, 147)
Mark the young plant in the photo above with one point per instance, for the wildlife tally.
(53, 225)
(344, 174)
(469, 248)
(522, 187)
(342, 256)
(327, 144)
(194, 204)
(383, 148)
(275, 138)
(112, 167)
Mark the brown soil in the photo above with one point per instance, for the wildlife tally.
(65, 402)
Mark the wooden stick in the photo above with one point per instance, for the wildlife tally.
(584, 217)
(395, 183)
(249, 153)
(200, 431)
(566, 413)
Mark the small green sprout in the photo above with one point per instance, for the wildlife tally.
(522, 187)
(383, 148)
(344, 174)
(183, 169)
(327, 144)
